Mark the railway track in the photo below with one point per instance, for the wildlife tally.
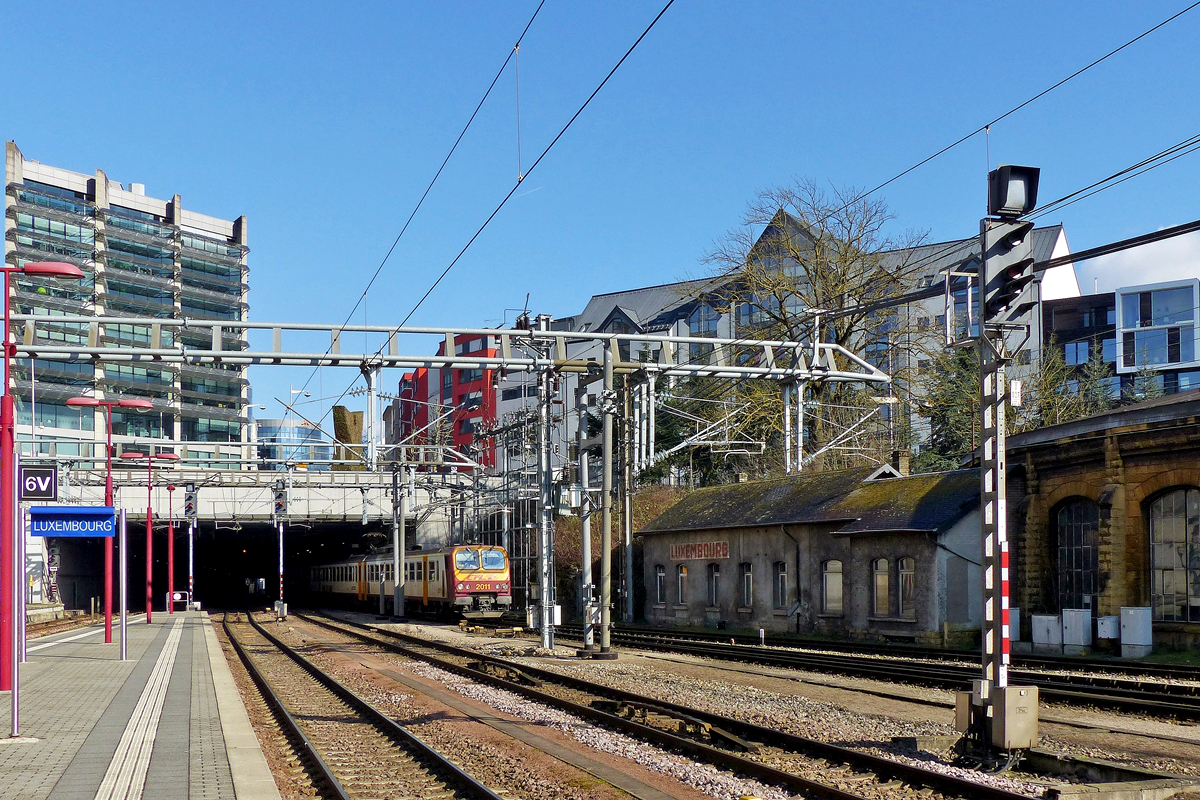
(806, 766)
(1112, 666)
(356, 751)
(1170, 700)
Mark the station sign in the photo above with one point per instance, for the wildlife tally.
(700, 550)
(38, 482)
(72, 521)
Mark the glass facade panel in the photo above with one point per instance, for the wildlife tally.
(210, 430)
(53, 415)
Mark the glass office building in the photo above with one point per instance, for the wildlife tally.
(292, 444)
(142, 257)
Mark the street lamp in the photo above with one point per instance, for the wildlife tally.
(170, 548)
(51, 269)
(150, 457)
(108, 405)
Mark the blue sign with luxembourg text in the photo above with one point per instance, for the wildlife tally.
(72, 521)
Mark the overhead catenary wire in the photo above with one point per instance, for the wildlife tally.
(987, 125)
(441, 167)
(532, 167)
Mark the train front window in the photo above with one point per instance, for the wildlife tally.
(493, 559)
(467, 559)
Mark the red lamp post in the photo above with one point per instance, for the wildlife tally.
(150, 457)
(8, 642)
(170, 548)
(108, 405)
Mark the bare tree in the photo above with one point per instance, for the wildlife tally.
(808, 264)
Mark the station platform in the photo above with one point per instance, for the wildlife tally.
(166, 724)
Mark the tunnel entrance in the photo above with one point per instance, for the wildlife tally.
(231, 562)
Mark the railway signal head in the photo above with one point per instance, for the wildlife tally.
(1008, 270)
(189, 503)
(1012, 191)
(280, 505)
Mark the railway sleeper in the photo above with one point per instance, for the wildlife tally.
(674, 722)
(504, 672)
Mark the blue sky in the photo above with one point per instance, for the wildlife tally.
(323, 123)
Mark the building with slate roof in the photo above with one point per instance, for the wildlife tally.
(861, 553)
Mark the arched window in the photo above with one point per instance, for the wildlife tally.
(714, 584)
(660, 584)
(831, 587)
(1076, 525)
(779, 585)
(681, 584)
(1175, 556)
(907, 568)
(881, 587)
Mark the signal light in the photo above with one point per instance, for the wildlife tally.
(1012, 190)
(190, 504)
(280, 500)
(1008, 270)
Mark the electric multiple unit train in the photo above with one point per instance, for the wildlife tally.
(470, 580)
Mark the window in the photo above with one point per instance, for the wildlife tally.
(1175, 556)
(702, 322)
(1108, 350)
(660, 584)
(681, 584)
(746, 571)
(1075, 353)
(493, 559)
(467, 559)
(779, 585)
(907, 568)
(831, 587)
(1158, 326)
(881, 587)
(714, 584)
(469, 375)
(1075, 526)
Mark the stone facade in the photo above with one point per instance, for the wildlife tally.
(1122, 462)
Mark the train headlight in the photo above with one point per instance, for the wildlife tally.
(462, 586)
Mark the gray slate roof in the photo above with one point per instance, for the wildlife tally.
(930, 502)
(653, 307)
(642, 305)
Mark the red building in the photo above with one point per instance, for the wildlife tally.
(466, 396)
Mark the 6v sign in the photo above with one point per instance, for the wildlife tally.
(39, 483)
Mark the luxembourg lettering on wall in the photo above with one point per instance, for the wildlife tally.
(699, 550)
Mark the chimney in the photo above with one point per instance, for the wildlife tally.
(899, 460)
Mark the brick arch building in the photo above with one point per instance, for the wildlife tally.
(1105, 513)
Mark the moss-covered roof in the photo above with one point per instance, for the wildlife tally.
(929, 502)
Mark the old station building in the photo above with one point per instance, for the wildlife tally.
(1105, 514)
(857, 553)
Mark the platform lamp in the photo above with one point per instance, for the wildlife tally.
(141, 406)
(49, 269)
(150, 458)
